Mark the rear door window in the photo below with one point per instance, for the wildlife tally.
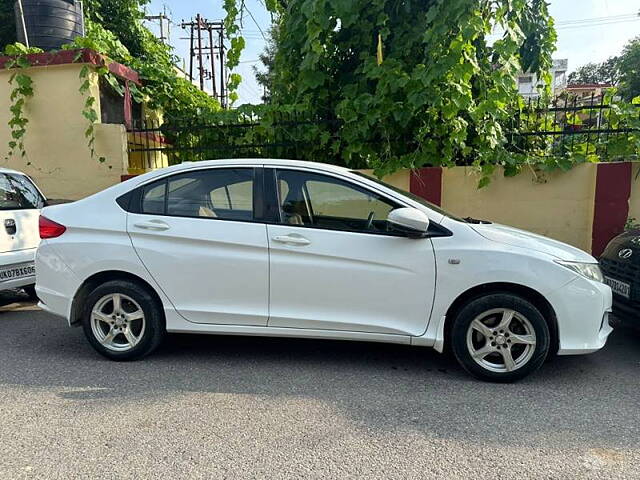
(222, 193)
(153, 198)
(17, 192)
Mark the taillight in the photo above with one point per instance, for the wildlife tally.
(49, 228)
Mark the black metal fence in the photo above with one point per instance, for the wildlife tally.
(279, 135)
(591, 127)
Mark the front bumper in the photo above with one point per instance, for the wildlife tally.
(626, 311)
(582, 309)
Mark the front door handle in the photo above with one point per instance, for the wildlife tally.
(155, 225)
(292, 240)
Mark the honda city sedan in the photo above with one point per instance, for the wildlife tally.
(298, 249)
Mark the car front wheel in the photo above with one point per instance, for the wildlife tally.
(123, 321)
(500, 337)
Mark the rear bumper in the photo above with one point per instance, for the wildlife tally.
(16, 258)
(582, 308)
(55, 282)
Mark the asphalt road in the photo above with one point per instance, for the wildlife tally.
(230, 407)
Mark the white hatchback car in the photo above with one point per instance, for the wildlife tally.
(289, 248)
(20, 204)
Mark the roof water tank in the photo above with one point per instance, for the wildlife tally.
(49, 23)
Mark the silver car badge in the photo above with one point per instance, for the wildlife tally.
(625, 253)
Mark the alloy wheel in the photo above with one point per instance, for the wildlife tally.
(501, 340)
(117, 322)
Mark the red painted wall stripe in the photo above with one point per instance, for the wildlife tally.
(85, 55)
(611, 208)
(427, 183)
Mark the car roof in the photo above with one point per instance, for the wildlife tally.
(10, 170)
(259, 162)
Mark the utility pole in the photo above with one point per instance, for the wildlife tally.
(212, 58)
(199, 28)
(200, 67)
(223, 96)
(191, 57)
(162, 19)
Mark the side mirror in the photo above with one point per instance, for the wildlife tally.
(412, 222)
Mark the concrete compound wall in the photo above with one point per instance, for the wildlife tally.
(584, 207)
(57, 155)
(561, 208)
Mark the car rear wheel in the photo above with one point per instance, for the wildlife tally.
(500, 337)
(123, 321)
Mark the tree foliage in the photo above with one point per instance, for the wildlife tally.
(115, 28)
(264, 76)
(124, 19)
(622, 71)
(605, 72)
(442, 93)
(629, 66)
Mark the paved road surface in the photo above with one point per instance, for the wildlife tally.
(227, 407)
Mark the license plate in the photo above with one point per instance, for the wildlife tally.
(17, 271)
(621, 288)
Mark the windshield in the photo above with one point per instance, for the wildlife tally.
(18, 193)
(412, 196)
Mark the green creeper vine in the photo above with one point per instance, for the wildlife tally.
(89, 111)
(22, 90)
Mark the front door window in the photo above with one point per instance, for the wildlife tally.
(321, 201)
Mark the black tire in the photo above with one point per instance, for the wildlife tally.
(532, 357)
(154, 321)
(30, 290)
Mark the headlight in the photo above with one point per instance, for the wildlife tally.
(588, 270)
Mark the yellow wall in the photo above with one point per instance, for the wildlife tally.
(140, 161)
(58, 157)
(560, 208)
(399, 179)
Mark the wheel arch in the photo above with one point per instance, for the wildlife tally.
(99, 278)
(528, 293)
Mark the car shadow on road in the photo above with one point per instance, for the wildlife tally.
(580, 400)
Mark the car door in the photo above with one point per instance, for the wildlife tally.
(20, 204)
(197, 234)
(335, 265)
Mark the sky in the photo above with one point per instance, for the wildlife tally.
(579, 41)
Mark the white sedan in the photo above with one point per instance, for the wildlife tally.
(20, 204)
(298, 249)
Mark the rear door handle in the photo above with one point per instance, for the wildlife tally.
(292, 240)
(155, 225)
(10, 226)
